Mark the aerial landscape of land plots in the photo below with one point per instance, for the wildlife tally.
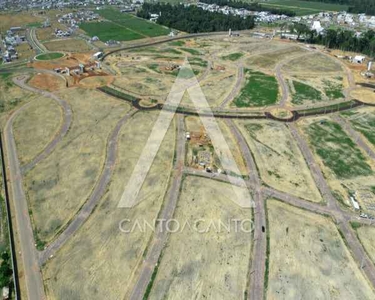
(298, 123)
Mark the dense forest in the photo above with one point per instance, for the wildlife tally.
(252, 6)
(193, 19)
(338, 39)
(355, 6)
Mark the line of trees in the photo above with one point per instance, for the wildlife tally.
(193, 19)
(355, 6)
(345, 40)
(252, 6)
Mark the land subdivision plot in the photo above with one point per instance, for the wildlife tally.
(279, 160)
(196, 144)
(346, 167)
(216, 85)
(212, 264)
(46, 81)
(363, 121)
(308, 258)
(313, 63)
(268, 61)
(68, 45)
(58, 186)
(35, 127)
(99, 255)
(366, 235)
(12, 19)
(11, 96)
(312, 88)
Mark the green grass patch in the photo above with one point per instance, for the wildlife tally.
(304, 7)
(132, 23)
(191, 51)
(260, 90)
(333, 90)
(329, 108)
(154, 67)
(49, 56)
(170, 50)
(233, 56)
(177, 43)
(116, 93)
(197, 61)
(34, 24)
(106, 31)
(355, 225)
(365, 124)
(337, 150)
(305, 92)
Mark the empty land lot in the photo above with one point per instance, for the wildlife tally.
(363, 120)
(35, 127)
(68, 45)
(100, 256)
(58, 186)
(337, 150)
(279, 160)
(260, 89)
(213, 264)
(366, 234)
(308, 258)
(313, 63)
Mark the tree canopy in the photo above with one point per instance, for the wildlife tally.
(193, 19)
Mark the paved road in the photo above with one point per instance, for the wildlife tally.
(96, 195)
(237, 87)
(33, 276)
(258, 262)
(160, 238)
(67, 119)
(34, 42)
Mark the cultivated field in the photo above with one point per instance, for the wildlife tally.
(279, 160)
(214, 264)
(308, 258)
(59, 185)
(42, 118)
(111, 256)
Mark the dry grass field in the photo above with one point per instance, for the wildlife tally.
(100, 256)
(68, 45)
(366, 234)
(313, 63)
(213, 264)
(46, 81)
(279, 160)
(14, 19)
(58, 186)
(309, 259)
(25, 51)
(35, 127)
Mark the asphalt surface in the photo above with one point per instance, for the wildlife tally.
(31, 268)
(67, 120)
(96, 195)
(237, 87)
(160, 237)
(31, 37)
(258, 262)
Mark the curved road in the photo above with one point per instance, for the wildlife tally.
(67, 117)
(96, 195)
